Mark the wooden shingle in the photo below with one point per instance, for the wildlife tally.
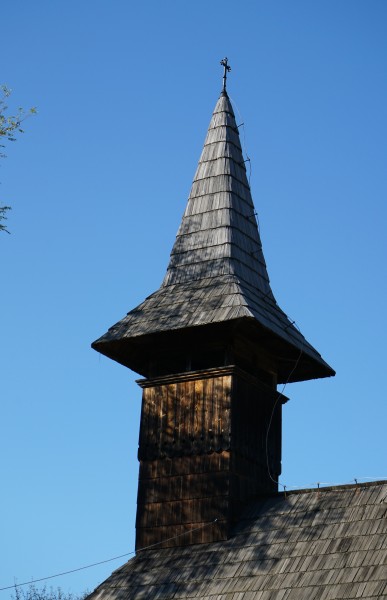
(344, 556)
(217, 252)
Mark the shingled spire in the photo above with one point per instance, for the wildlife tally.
(212, 343)
(217, 272)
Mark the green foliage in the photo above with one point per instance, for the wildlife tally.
(10, 126)
(34, 593)
(3, 212)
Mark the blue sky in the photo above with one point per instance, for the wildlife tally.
(98, 184)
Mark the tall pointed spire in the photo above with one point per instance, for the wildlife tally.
(217, 272)
(218, 239)
(213, 344)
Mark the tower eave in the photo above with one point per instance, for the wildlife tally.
(217, 285)
(290, 362)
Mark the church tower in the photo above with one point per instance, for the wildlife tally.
(211, 345)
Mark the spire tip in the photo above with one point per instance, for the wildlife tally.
(227, 69)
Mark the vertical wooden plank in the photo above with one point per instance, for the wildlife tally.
(209, 414)
(192, 414)
(171, 414)
(181, 416)
(152, 422)
(142, 441)
(188, 426)
(196, 400)
(218, 387)
(200, 390)
(227, 411)
(159, 420)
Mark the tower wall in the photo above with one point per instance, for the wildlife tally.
(202, 453)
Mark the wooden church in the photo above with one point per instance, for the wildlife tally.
(212, 345)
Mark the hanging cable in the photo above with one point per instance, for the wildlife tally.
(242, 124)
(275, 405)
(101, 562)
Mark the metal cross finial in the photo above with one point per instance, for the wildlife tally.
(227, 69)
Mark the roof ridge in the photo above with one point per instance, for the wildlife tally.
(329, 488)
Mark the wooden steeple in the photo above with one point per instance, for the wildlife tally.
(212, 344)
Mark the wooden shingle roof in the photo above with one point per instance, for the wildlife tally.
(217, 272)
(322, 544)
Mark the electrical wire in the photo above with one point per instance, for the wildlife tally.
(234, 104)
(275, 405)
(286, 487)
(101, 562)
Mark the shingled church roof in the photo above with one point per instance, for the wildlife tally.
(217, 271)
(309, 545)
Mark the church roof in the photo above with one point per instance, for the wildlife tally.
(217, 272)
(308, 545)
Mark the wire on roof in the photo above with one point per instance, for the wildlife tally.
(101, 562)
(242, 124)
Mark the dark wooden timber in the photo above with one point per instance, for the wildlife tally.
(202, 452)
(325, 544)
(217, 274)
(212, 344)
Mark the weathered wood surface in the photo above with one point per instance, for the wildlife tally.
(229, 410)
(202, 450)
(306, 545)
(180, 493)
(217, 272)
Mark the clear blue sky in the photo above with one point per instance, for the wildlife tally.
(98, 184)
